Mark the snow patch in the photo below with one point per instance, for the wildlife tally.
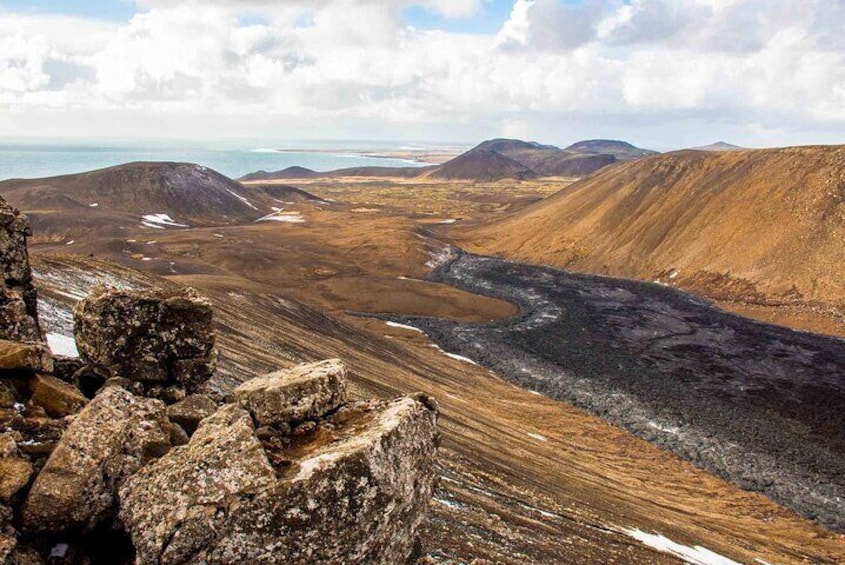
(94, 204)
(449, 221)
(241, 198)
(446, 502)
(460, 358)
(62, 345)
(71, 242)
(160, 221)
(694, 555)
(404, 327)
(538, 437)
(279, 216)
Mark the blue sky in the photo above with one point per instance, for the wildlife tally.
(489, 19)
(103, 9)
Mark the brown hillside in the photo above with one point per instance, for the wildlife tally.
(189, 194)
(482, 165)
(763, 228)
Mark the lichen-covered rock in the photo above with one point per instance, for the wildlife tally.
(18, 310)
(305, 392)
(58, 398)
(14, 475)
(178, 504)
(27, 357)
(355, 491)
(188, 413)
(160, 338)
(108, 441)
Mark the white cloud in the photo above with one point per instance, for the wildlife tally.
(779, 65)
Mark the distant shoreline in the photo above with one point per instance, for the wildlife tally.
(419, 157)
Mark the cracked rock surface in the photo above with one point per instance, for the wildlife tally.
(352, 488)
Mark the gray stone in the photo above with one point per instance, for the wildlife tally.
(110, 439)
(287, 397)
(356, 493)
(159, 338)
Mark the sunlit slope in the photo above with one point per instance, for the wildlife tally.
(760, 227)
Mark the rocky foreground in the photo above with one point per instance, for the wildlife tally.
(124, 455)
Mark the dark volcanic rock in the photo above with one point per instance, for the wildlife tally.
(162, 341)
(759, 405)
(18, 310)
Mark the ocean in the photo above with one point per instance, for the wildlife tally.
(41, 158)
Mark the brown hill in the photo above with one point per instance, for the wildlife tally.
(188, 194)
(719, 146)
(294, 172)
(482, 165)
(763, 228)
(622, 150)
(284, 193)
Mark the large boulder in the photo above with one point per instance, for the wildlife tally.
(18, 309)
(109, 440)
(285, 398)
(354, 489)
(163, 340)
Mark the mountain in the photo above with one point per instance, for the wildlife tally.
(188, 194)
(294, 172)
(505, 146)
(482, 165)
(492, 160)
(285, 193)
(759, 228)
(720, 146)
(622, 150)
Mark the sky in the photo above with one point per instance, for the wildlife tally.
(662, 74)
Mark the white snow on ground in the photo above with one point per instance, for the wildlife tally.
(694, 555)
(62, 345)
(94, 204)
(538, 436)
(160, 221)
(439, 257)
(539, 511)
(146, 259)
(241, 198)
(218, 235)
(449, 221)
(71, 242)
(460, 358)
(287, 218)
(446, 502)
(404, 327)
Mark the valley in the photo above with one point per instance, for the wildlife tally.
(309, 268)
